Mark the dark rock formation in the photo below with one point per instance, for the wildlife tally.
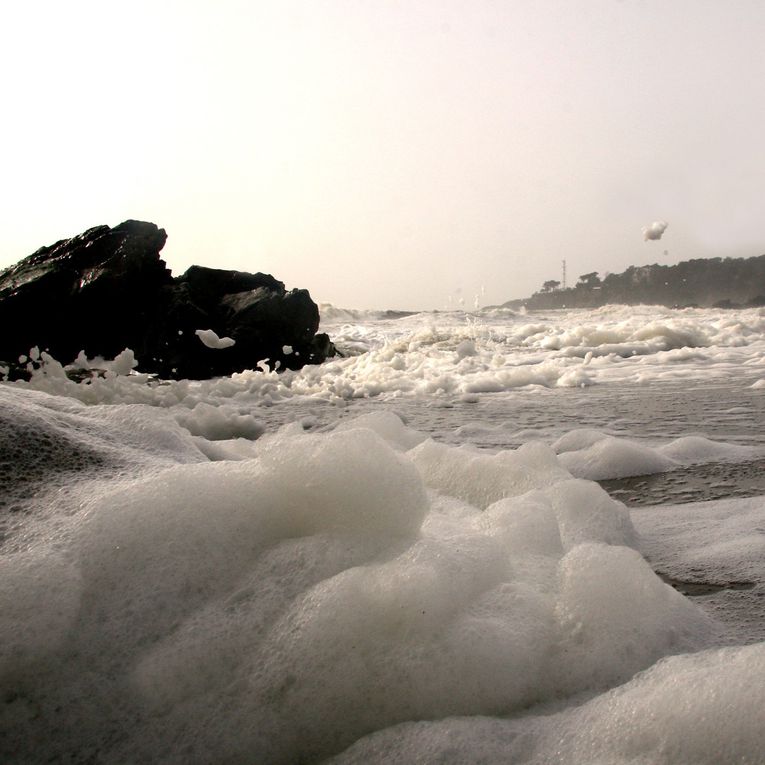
(107, 289)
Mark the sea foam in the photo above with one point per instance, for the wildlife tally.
(456, 354)
(280, 607)
(703, 709)
(243, 569)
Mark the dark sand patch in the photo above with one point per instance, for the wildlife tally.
(695, 483)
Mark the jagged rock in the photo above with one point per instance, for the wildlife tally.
(107, 289)
(254, 310)
(97, 291)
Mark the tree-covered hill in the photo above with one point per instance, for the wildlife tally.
(721, 282)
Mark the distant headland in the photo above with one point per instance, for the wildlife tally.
(706, 283)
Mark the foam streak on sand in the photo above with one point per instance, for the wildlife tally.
(272, 568)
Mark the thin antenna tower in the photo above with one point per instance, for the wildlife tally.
(563, 281)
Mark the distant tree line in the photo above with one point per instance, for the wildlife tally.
(718, 282)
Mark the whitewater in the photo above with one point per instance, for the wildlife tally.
(483, 536)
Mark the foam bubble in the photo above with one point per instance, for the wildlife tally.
(211, 339)
(655, 230)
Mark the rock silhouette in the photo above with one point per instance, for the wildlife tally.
(108, 289)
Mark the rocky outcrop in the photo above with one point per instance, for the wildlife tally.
(107, 289)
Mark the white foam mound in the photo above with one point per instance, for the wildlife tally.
(690, 449)
(276, 609)
(577, 440)
(481, 479)
(387, 425)
(122, 364)
(591, 454)
(220, 422)
(615, 458)
(703, 709)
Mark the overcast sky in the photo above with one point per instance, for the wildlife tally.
(389, 154)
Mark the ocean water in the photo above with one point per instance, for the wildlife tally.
(476, 537)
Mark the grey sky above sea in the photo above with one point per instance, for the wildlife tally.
(390, 154)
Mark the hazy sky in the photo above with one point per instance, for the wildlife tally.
(389, 154)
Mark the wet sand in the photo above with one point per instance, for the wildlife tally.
(695, 483)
